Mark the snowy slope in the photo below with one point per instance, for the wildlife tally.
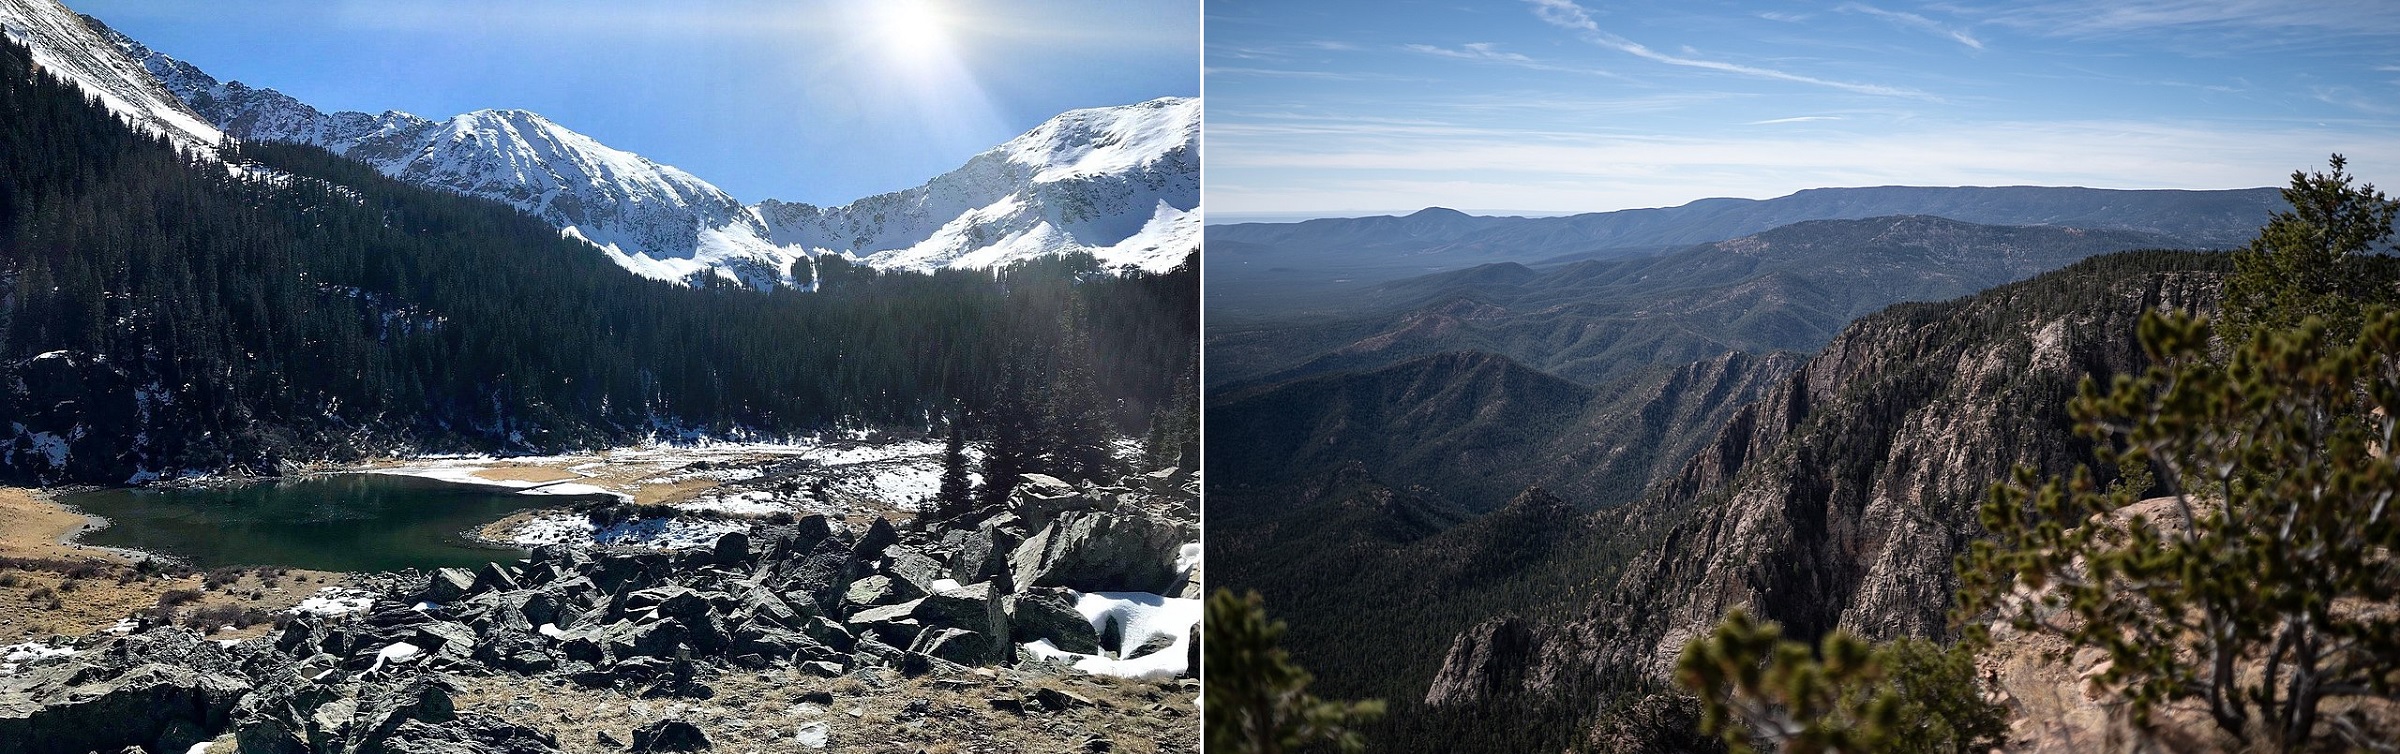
(72, 51)
(1122, 183)
(653, 219)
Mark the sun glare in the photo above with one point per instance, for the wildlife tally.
(913, 31)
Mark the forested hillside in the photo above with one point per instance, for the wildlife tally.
(160, 314)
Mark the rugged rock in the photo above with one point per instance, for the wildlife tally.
(1840, 499)
(646, 623)
(469, 734)
(669, 735)
(1485, 662)
(1048, 613)
(447, 585)
(158, 706)
(1130, 549)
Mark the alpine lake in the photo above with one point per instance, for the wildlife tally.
(330, 522)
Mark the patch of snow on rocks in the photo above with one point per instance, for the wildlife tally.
(14, 656)
(334, 600)
(1141, 616)
(666, 533)
(661, 533)
(754, 503)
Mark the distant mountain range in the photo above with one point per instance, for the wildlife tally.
(1262, 270)
(1119, 183)
(1786, 289)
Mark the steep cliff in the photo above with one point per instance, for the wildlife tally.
(1840, 498)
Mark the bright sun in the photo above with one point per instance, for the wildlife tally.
(912, 30)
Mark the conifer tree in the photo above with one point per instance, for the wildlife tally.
(2304, 262)
(956, 498)
(1258, 700)
(2243, 587)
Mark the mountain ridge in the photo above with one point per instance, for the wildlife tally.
(71, 50)
(1789, 288)
(1015, 202)
(1263, 271)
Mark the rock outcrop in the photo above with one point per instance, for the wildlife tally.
(1840, 499)
(809, 595)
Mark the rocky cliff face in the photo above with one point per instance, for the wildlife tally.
(1840, 498)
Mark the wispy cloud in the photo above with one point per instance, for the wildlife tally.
(1914, 21)
(1565, 14)
(1484, 52)
(2270, 20)
(2344, 96)
(1291, 73)
(1463, 167)
(1796, 119)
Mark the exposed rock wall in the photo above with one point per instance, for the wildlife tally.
(1840, 499)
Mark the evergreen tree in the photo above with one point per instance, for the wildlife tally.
(2275, 464)
(2304, 262)
(957, 497)
(1258, 701)
(2243, 588)
(1843, 696)
(1174, 440)
(334, 311)
(1075, 429)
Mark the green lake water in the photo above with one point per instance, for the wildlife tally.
(336, 522)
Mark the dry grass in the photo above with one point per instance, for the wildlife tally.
(50, 588)
(528, 474)
(754, 711)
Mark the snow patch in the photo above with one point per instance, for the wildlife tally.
(335, 600)
(15, 656)
(1139, 616)
(577, 530)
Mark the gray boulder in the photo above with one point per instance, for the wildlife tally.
(447, 585)
(879, 590)
(670, 735)
(1126, 550)
(956, 645)
(77, 707)
(469, 734)
(1045, 612)
(913, 566)
(381, 713)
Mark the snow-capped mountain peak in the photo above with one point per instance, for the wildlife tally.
(1119, 183)
(67, 47)
(1104, 140)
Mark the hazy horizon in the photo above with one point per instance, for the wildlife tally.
(1559, 106)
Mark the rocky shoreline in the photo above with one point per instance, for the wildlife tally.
(993, 601)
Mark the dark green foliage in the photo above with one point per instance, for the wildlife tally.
(1844, 696)
(2244, 588)
(2307, 262)
(957, 496)
(1258, 701)
(198, 320)
(1174, 440)
(1942, 705)
(1074, 429)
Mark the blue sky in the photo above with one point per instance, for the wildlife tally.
(823, 101)
(1578, 105)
